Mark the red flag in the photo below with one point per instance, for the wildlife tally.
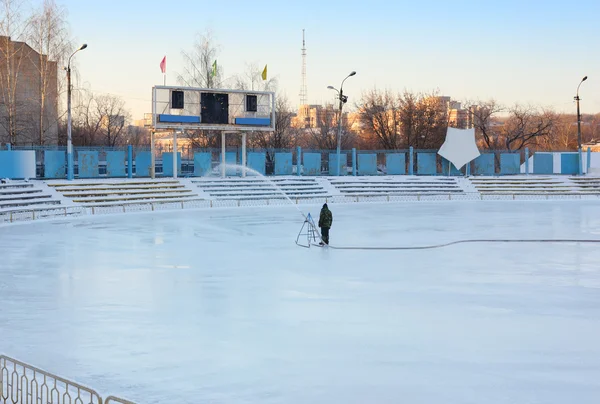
(163, 65)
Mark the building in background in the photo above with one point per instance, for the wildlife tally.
(28, 95)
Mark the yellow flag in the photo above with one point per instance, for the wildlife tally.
(264, 73)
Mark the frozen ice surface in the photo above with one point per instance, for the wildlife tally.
(221, 306)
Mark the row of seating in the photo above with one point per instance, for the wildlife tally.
(262, 188)
(106, 192)
(523, 185)
(397, 185)
(21, 194)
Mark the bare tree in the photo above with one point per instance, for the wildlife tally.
(284, 135)
(526, 125)
(423, 119)
(48, 36)
(198, 70)
(86, 126)
(323, 134)
(12, 29)
(486, 123)
(380, 117)
(111, 113)
(252, 80)
(137, 136)
(100, 120)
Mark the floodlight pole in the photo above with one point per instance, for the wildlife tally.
(579, 127)
(343, 99)
(70, 171)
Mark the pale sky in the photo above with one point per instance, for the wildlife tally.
(525, 51)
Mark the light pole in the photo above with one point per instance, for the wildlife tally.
(69, 140)
(579, 127)
(343, 99)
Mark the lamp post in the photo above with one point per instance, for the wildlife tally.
(343, 99)
(70, 174)
(579, 126)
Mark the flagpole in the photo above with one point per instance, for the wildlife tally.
(165, 79)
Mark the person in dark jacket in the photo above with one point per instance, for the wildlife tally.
(325, 220)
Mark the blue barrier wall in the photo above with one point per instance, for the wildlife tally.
(569, 163)
(312, 163)
(55, 164)
(17, 164)
(543, 163)
(143, 164)
(202, 164)
(115, 164)
(230, 159)
(484, 165)
(453, 170)
(510, 163)
(167, 164)
(426, 164)
(257, 162)
(283, 164)
(367, 164)
(88, 164)
(343, 163)
(395, 163)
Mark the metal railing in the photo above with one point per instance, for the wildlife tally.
(21, 383)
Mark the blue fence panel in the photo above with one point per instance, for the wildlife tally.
(88, 164)
(367, 164)
(484, 165)
(283, 164)
(426, 164)
(202, 164)
(143, 164)
(230, 160)
(115, 164)
(312, 163)
(343, 164)
(395, 163)
(543, 163)
(569, 163)
(448, 165)
(510, 163)
(17, 164)
(167, 164)
(55, 164)
(257, 162)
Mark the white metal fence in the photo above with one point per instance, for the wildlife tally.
(21, 383)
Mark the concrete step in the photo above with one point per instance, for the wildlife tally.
(102, 183)
(17, 203)
(89, 200)
(25, 191)
(13, 185)
(402, 192)
(158, 199)
(126, 192)
(116, 187)
(24, 197)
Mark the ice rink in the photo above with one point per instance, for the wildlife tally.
(221, 306)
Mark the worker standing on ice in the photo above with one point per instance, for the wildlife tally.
(325, 220)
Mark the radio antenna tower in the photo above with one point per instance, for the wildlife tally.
(303, 95)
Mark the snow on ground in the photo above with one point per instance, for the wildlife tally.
(221, 306)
